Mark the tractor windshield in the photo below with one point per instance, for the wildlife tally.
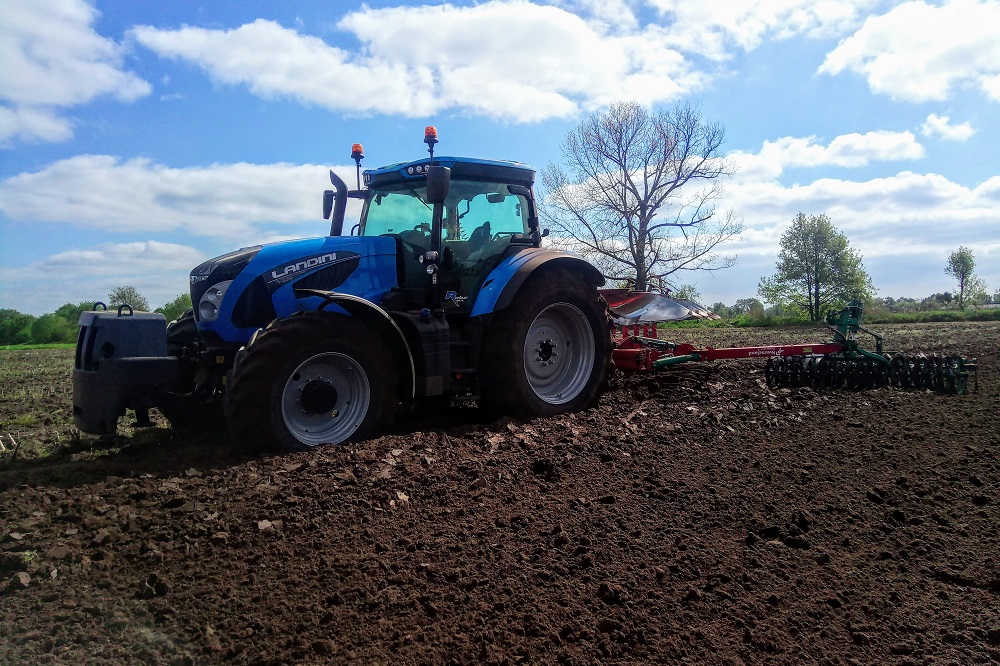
(473, 210)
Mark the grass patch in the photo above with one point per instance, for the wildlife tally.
(23, 420)
(54, 345)
(739, 321)
(874, 316)
(695, 323)
(878, 317)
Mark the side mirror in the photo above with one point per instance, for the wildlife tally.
(327, 203)
(438, 183)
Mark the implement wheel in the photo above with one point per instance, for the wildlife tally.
(771, 371)
(549, 352)
(309, 380)
(899, 371)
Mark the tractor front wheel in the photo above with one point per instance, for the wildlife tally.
(549, 352)
(309, 380)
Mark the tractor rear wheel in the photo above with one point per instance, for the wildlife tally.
(549, 352)
(308, 380)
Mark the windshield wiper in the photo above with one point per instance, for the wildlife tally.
(417, 196)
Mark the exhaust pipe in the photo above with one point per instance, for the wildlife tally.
(338, 201)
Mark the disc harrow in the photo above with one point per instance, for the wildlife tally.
(944, 374)
(839, 364)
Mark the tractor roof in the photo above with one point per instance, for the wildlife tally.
(462, 168)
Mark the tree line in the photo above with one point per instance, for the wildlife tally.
(61, 326)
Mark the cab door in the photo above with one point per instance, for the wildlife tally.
(481, 221)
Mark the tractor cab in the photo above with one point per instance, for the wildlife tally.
(486, 209)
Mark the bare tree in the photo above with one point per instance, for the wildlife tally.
(637, 194)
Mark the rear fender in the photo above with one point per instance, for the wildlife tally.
(378, 320)
(503, 282)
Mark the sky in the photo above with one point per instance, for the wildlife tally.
(138, 139)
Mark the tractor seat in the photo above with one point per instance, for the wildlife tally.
(480, 237)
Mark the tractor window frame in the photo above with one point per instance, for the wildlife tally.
(409, 210)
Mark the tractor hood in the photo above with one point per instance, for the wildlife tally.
(239, 292)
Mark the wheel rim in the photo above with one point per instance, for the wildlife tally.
(559, 352)
(325, 400)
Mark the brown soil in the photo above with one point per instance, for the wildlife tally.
(695, 516)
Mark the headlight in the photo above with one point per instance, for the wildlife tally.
(213, 272)
(208, 306)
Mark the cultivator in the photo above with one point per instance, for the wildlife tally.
(840, 363)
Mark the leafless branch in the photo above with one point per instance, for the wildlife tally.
(637, 190)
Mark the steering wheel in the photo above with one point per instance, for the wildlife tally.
(423, 227)
(500, 234)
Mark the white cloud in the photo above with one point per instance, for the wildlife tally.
(233, 201)
(847, 150)
(941, 126)
(158, 270)
(52, 58)
(991, 86)
(906, 215)
(710, 28)
(904, 225)
(919, 52)
(514, 61)
(609, 14)
(29, 123)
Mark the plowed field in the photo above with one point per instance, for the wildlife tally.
(694, 516)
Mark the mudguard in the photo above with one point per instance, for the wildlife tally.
(373, 316)
(502, 283)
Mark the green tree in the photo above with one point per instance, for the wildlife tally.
(176, 307)
(127, 295)
(636, 196)
(49, 328)
(70, 312)
(902, 304)
(748, 306)
(15, 327)
(688, 292)
(961, 266)
(722, 310)
(937, 301)
(817, 269)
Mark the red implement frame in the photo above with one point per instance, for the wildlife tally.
(637, 351)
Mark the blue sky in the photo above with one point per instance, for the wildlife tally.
(138, 139)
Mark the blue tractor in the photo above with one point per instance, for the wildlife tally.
(440, 293)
